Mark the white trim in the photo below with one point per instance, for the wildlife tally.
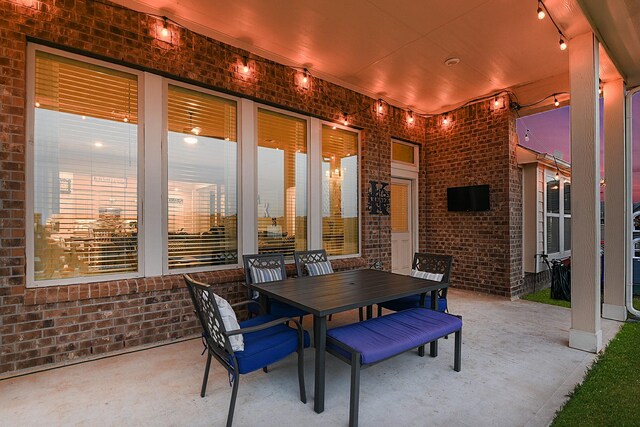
(154, 190)
(29, 179)
(315, 190)
(585, 341)
(562, 253)
(412, 175)
(248, 179)
(614, 312)
(164, 255)
(630, 247)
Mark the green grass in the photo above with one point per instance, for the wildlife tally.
(610, 393)
(544, 296)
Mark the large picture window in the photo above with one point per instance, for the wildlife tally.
(85, 168)
(282, 183)
(202, 185)
(340, 225)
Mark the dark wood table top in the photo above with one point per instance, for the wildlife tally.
(344, 290)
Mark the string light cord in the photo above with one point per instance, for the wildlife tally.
(516, 106)
(553, 21)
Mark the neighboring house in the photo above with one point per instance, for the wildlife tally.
(546, 210)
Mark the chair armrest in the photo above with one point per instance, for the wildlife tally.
(267, 325)
(245, 302)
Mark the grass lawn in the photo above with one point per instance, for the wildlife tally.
(544, 296)
(610, 393)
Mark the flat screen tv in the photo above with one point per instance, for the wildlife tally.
(468, 199)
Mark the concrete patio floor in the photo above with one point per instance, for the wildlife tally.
(516, 371)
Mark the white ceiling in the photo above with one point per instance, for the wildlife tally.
(395, 49)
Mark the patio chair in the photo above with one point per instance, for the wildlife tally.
(427, 266)
(264, 268)
(320, 265)
(263, 340)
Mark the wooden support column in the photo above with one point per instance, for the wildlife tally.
(615, 171)
(585, 333)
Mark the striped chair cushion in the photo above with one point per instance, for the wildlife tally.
(230, 322)
(319, 268)
(426, 275)
(264, 275)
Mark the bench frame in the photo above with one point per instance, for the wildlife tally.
(356, 366)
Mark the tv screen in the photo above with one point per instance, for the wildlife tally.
(468, 199)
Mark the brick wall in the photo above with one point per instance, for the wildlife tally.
(57, 324)
(476, 147)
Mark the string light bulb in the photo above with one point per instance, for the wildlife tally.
(563, 44)
(346, 119)
(410, 117)
(164, 32)
(555, 101)
(496, 102)
(380, 106)
(305, 77)
(526, 135)
(557, 177)
(541, 13)
(445, 120)
(245, 65)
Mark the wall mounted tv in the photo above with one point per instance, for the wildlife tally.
(468, 199)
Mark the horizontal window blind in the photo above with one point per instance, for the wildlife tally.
(340, 224)
(402, 153)
(399, 208)
(85, 169)
(202, 185)
(282, 183)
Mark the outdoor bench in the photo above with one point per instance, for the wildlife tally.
(366, 343)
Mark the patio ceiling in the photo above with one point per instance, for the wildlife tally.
(396, 49)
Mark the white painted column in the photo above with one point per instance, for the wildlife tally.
(585, 333)
(615, 260)
(249, 190)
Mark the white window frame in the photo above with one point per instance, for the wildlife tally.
(562, 253)
(30, 179)
(318, 162)
(164, 254)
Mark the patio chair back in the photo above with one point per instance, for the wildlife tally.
(432, 263)
(263, 261)
(302, 258)
(208, 312)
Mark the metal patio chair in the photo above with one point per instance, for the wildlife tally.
(266, 340)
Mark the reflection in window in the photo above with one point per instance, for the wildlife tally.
(340, 229)
(202, 185)
(85, 169)
(553, 196)
(282, 183)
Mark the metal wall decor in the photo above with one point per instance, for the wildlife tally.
(378, 198)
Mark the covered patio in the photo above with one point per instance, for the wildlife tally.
(517, 371)
(142, 141)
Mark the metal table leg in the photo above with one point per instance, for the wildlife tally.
(320, 328)
(433, 347)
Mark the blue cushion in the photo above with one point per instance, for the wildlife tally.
(412, 302)
(263, 348)
(382, 337)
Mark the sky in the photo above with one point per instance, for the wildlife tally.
(549, 132)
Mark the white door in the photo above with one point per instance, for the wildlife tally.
(401, 225)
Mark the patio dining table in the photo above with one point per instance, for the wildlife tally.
(342, 291)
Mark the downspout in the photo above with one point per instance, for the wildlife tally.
(629, 184)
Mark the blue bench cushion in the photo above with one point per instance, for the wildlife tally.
(263, 348)
(382, 337)
(413, 301)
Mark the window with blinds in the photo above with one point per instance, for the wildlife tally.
(85, 191)
(202, 179)
(340, 225)
(282, 183)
